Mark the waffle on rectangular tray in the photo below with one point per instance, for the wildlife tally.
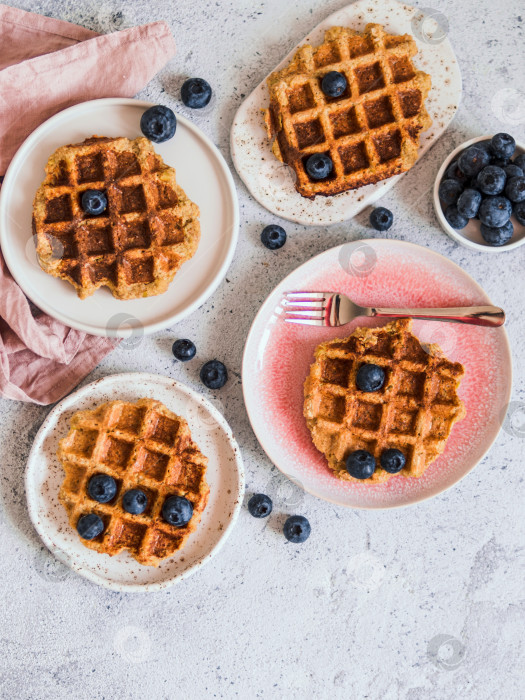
(141, 445)
(413, 412)
(371, 132)
(149, 229)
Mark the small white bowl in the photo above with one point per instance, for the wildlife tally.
(470, 236)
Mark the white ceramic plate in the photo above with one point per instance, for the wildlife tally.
(202, 173)
(225, 476)
(278, 355)
(470, 236)
(269, 180)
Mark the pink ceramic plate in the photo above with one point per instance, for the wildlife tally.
(277, 357)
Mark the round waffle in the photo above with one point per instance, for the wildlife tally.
(414, 411)
(371, 132)
(141, 445)
(149, 229)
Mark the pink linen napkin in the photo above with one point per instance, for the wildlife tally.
(47, 65)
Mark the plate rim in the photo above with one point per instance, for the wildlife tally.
(144, 329)
(60, 554)
(422, 498)
(383, 186)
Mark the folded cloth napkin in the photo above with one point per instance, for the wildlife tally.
(47, 65)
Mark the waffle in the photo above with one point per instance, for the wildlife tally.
(137, 245)
(414, 411)
(141, 445)
(371, 132)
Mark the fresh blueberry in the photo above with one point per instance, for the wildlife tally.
(134, 501)
(491, 180)
(502, 146)
(520, 161)
(158, 123)
(519, 212)
(214, 374)
(102, 488)
(392, 460)
(515, 189)
(495, 211)
(449, 191)
(184, 349)
(473, 160)
(260, 505)
(94, 202)
(195, 93)
(319, 166)
(297, 529)
(381, 219)
(513, 170)
(454, 218)
(360, 464)
(454, 173)
(468, 203)
(273, 236)
(370, 378)
(177, 511)
(484, 146)
(90, 526)
(334, 84)
(494, 235)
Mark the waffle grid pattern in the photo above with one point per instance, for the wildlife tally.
(414, 412)
(135, 248)
(371, 132)
(141, 445)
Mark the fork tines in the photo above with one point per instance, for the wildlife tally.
(306, 308)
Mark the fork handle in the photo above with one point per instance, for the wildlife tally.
(491, 316)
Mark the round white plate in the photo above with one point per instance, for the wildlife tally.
(470, 236)
(270, 181)
(376, 272)
(225, 476)
(202, 173)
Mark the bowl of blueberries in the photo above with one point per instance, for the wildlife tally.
(479, 193)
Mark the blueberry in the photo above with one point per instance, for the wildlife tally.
(334, 84)
(515, 189)
(484, 146)
(381, 219)
(491, 180)
(214, 374)
(94, 202)
(454, 218)
(468, 203)
(102, 488)
(472, 160)
(297, 529)
(454, 173)
(495, 235)
(158, 123)
(319, 166)
(502, 146)
(392, 460)
(495, 211)
(370, 378)
(513, 170)
(519, 212)
(184, 349)
(273, 236)
(90, 526)
(360, 464)
(520, 161)
(134, 501)
(195, 93)
(449, 191)
(260, 505)
(177, 511)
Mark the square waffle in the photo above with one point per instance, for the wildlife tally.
(414, 411)
(137, 245)
(141, 445)
(371, 132)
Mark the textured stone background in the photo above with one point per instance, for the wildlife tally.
(425, 602)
